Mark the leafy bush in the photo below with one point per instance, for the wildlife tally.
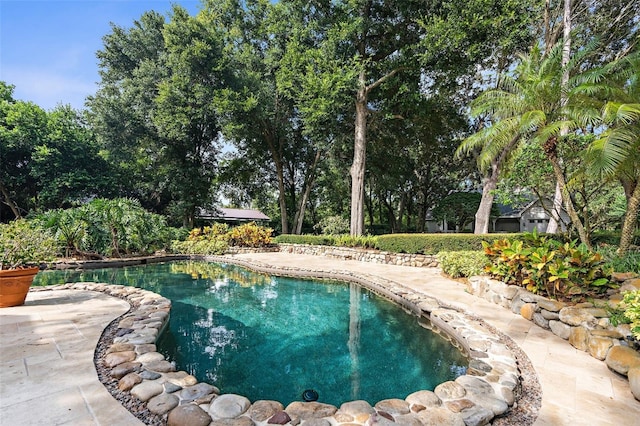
(631, 303)
(434, 243)
(108, 228)
(24, 243)
(202, 247)
(217, 238)
(332, 225)
(250, 235)
(543, 265)
(463, 263)
(630, 262)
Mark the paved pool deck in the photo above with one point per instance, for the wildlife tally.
(47, 376)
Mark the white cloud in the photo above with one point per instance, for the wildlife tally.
(47, 88)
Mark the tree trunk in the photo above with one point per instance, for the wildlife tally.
(309, 181)
(554, 221)
(281, 198)
(550, 148)
(9, 202)
(359, 158)
(486, 203)
(552, 228)
(630, 218)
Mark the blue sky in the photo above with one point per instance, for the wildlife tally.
(48, 47)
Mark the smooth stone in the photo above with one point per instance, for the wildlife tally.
(180, 378)
(116, 358)
(310, 410)
(425, 398)
(476, 416)
(634, 381)
(146, 348)
(188, 415)
(408, 420)
(149, 357)
(279, 418)
(560, 329)
(550, 305)
(458, 405)
(578, 338)
(527, 310)
(125, 368)
(540, 320)
(483, 394)
(160, 366)
(228, 406)
(171, 387)
(576, 316)
(146, 390)
(393, 406)
(450, 390)
(263, 410)
(549, 315)
(120, 347)
(316, 422)
(240, 421)
(163, 403)
(129, 381)
(150, 375)
(599, 346)
(621, 359)
(198, 391)
(439, 416)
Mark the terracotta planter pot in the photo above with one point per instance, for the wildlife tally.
(14, 286)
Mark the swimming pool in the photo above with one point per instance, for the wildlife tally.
(273, 338)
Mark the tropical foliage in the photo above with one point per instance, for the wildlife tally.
(631, 303)
(563, 271)
(113, 228)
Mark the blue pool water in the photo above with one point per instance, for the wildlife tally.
(272, 338)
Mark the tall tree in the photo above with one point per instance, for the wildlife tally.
(617, 151)
(23, 125)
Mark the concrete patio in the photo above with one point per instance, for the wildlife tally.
(47, 375)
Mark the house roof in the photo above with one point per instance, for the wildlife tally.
(232, 214)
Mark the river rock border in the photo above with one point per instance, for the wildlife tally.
(487, 393)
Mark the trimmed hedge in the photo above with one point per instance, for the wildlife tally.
(435, 243)
(315, 240)
(463, 263)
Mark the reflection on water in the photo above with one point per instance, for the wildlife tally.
(272, 338)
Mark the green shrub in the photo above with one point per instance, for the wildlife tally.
(202, 247)
(630, 262)
(543, 265)
(434, 243)
(318, 240)
(364, 241)
(24, 243)
(462, 263)
(631, 303)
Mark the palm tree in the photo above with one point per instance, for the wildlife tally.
(617, 151)
(527, 107)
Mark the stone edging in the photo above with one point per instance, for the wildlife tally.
(488, 390)
(585, 326)
(363, 255)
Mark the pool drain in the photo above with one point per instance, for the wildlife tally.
(309, 395)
